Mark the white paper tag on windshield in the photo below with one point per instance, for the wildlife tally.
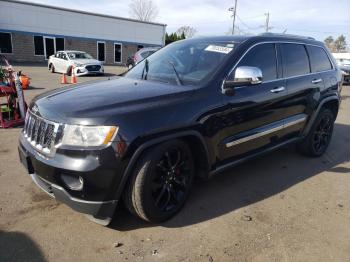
(219, 49)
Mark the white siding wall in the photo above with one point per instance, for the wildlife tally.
(31, 18)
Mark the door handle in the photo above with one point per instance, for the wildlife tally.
(316, 81)
(278, 89)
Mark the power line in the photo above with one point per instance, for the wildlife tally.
(247, 26)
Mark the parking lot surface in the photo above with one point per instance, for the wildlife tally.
(280, 207)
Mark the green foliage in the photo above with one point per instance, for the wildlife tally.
(173, 37)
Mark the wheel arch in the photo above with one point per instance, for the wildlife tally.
(195, 142)
(331, 103)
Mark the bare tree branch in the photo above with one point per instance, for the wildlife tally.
(144, 10)
(188, 31)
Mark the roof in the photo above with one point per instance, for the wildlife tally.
(81, 12)
(261, 37)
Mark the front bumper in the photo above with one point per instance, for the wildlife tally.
(88, 70)
(94, 208)
(101, 171)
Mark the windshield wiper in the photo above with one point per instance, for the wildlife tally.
(145, 70)
(178, 79)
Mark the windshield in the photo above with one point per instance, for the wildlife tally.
(187, 62)
(79, 55)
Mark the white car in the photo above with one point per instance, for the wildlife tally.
(83, 63)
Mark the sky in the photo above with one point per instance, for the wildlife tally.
(316, 18)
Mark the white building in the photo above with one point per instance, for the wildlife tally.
(32, 32)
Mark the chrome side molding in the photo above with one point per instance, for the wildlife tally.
(266, 132)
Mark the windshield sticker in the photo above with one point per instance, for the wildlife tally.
(219, 49)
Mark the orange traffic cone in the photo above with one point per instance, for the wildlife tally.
(64, 79)
(73, 78)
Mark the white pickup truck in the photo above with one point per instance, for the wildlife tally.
(83, 63)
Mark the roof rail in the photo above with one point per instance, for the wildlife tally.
(287, 35)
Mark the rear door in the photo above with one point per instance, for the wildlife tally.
(256, 115)
(303, 87)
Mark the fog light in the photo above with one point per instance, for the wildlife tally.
(73, 182)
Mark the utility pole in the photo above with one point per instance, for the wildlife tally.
(234, 10)
(267, 27)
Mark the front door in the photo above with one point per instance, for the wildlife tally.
(49, 46)
(256, 113)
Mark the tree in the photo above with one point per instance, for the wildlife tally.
(173, 37)
(188, 31)
(144, 10)
(329, 42)
(340, 44)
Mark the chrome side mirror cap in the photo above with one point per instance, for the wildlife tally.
(245, 76)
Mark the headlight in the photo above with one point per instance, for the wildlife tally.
(88, 136)
(78, 65)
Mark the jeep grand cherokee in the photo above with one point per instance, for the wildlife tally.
(194, 108)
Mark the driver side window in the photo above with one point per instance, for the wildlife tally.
(262, 56)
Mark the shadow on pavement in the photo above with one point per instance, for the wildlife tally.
(249, 183)
(16, 246)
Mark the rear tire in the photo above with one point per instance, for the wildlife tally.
(317, 141)
(161, 182)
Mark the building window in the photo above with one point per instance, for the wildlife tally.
(5, 43)
(38, 45)
(101, 51)
(59, 44)
(117, 53)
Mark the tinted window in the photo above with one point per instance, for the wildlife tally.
(295, 60)
(38, 45)
(5, 43)
(264, 57)
(318, 59)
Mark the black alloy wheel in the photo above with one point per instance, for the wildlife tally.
(170, 183)
(323, 134)
(161, 181)
(317, 141)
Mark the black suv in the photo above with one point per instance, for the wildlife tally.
(194, 108)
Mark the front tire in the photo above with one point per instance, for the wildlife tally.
(319, 137)
(161, 182)
(52, 68)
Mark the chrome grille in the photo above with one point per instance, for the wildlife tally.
(41, 133)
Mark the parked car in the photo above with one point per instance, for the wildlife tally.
(140, 55)
(83, 63)
(193, 109)
(344, 65)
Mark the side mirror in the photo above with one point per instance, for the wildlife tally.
(244, 76)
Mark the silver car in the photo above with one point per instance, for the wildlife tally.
(82, 63)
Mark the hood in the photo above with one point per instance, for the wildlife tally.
(86, 61)
(345, 68)
(99, 102)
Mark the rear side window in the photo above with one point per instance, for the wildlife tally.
(144, 54)
(318, 59)
(264, 57)
(295, 60)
